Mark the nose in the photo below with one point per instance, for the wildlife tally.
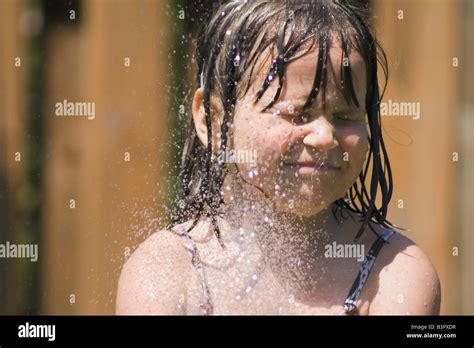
(320, 134)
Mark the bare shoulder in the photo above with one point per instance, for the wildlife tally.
(404, 280)
(153, 280)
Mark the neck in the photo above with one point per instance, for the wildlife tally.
(280, 233)
(292, 245)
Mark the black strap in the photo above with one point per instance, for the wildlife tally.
(356, 289)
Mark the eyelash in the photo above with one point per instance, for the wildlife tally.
(302, 117)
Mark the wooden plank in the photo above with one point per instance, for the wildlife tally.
(115, 199)
(12, 173)
(420, 48)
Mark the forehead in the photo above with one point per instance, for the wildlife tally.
(300, 75)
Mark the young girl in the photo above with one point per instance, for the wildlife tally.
(280, 173)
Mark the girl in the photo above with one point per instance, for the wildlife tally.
(281, 172)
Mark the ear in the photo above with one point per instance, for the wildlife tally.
(199, 118)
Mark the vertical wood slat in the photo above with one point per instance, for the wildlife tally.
(466, 134)
(63, 159)
(420, 48)
(12, 126)
(88, 155)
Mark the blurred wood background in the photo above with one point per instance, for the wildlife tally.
(117, 202)
(84, 248)
(422, 39)
(12, 173)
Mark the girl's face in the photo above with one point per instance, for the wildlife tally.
(304, 161)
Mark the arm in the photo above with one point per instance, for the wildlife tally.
(153, 279)
(407, 281)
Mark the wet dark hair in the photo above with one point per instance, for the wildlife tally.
(228, 48)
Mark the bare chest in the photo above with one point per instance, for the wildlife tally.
(249, 286)
(241, 280)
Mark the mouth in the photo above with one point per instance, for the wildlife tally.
(311, 167)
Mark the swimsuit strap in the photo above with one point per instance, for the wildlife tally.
(192, 250)
(350, 302)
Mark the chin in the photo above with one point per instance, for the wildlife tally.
(304, 210)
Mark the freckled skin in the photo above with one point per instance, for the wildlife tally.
(281, 214)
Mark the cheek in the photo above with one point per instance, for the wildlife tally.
(269, 136)
(353, 140)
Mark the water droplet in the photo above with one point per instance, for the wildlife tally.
(320, 129)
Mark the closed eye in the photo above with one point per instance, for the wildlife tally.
(301, 117)
(348, 116)
(304, 117)
(297, 117)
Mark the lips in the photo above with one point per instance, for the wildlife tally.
(314, 165)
